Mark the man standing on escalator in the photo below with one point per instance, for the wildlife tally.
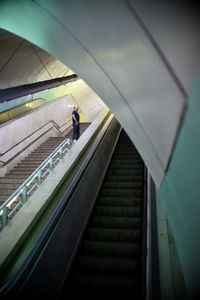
(76, 124)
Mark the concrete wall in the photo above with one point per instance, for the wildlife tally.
(58, 111)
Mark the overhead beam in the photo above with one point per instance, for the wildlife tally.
(32, 88)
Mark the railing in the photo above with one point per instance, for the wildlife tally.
(55, 125)
(20, 196)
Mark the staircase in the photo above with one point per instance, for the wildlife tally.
(109, 259)
(26, 167)
(14, 178)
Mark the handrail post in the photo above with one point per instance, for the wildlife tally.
(23, 194)
(4, 216)
(50, 163)
(60, 153)
(39, 177)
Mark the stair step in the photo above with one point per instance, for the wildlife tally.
(3, 199)
(125, 157)
(132, 172)
(133, 167)
(38, 156)
(116, 222)
(111, 248)
(29, 164)
(121, 193)
(16, 176)
(100, 286)
(34, 160)
(126, 161)
(23, 173)
(122, 185)
(12, 180)
(121, 178)
(9, 185)
(108, 264)
(42, 153)
(49, 146)
(120, 201)
(116, 211)
(114, 235)
(24, 168)
(7, 192)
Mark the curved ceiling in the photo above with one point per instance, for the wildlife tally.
(128, 52)
(21, 62)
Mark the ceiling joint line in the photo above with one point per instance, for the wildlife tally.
(42, 62)
(12, 55)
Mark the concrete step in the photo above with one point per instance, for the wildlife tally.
(52, 143)
(8, 185)
(25, 168)
(3, 199)
(37, 157)
(16, 176)
(29, 163)
(7, 192)
(12, 180)
(48, 148)
(23, 173)
(53, 138)
(39, 154)
(45, 150)
(30, 159)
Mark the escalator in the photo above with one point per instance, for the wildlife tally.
(93, 245)
(110, 258)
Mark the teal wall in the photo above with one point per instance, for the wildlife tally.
(180, 192)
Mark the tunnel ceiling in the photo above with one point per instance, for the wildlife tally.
(140, 57)
(21, 62)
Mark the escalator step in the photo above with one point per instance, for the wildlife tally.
(108, 264)
(116, 222)
(126, 161)
(125, 172)
(122, 185)
(118, 211)
(124, 156)
(99, 286)
(111, 248)
(119, 167)
(120, 201)
(122, 178)
(121, 193)
(114, 235)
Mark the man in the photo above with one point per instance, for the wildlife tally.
(76, 125)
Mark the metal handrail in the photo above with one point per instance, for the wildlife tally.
(25, 190)
(51, 121)
(55, 125)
